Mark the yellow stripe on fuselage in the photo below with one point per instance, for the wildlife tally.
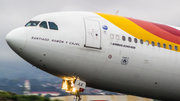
(135, 30)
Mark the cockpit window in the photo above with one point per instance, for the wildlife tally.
(43, 24)
(32, 23)
(53, 26)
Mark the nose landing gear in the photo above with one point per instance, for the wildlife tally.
(77, 97)
(74, 87)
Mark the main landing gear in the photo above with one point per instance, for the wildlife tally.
(74, 87)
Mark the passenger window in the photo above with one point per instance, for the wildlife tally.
(123, 38)
(176, 48)
(53, 26)
(135, 40)
(147, 42)
(111, 36)
(170, 47)
(164, 45)
(141, 41)
(158, 44)
(117, 37)
(129, 39)
(32, 23)
(43, 24)
(153, 44)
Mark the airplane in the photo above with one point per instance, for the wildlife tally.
(104, 51)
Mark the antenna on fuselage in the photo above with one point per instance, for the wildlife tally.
(117, 12)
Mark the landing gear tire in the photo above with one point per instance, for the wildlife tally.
(77, 97)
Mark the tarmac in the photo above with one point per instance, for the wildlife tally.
(103, 98)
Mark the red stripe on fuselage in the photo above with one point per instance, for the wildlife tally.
(168, 29)
(162, 31)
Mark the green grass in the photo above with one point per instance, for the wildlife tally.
(8, 96)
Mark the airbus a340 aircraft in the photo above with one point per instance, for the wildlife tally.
(104, 51)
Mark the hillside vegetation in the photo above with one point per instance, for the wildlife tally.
(8, 96)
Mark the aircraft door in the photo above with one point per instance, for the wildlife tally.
(93, 34)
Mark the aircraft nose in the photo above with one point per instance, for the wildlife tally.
(16, 39)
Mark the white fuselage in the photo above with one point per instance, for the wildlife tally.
(82, 48)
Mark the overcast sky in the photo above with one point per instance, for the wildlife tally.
(16, 13)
